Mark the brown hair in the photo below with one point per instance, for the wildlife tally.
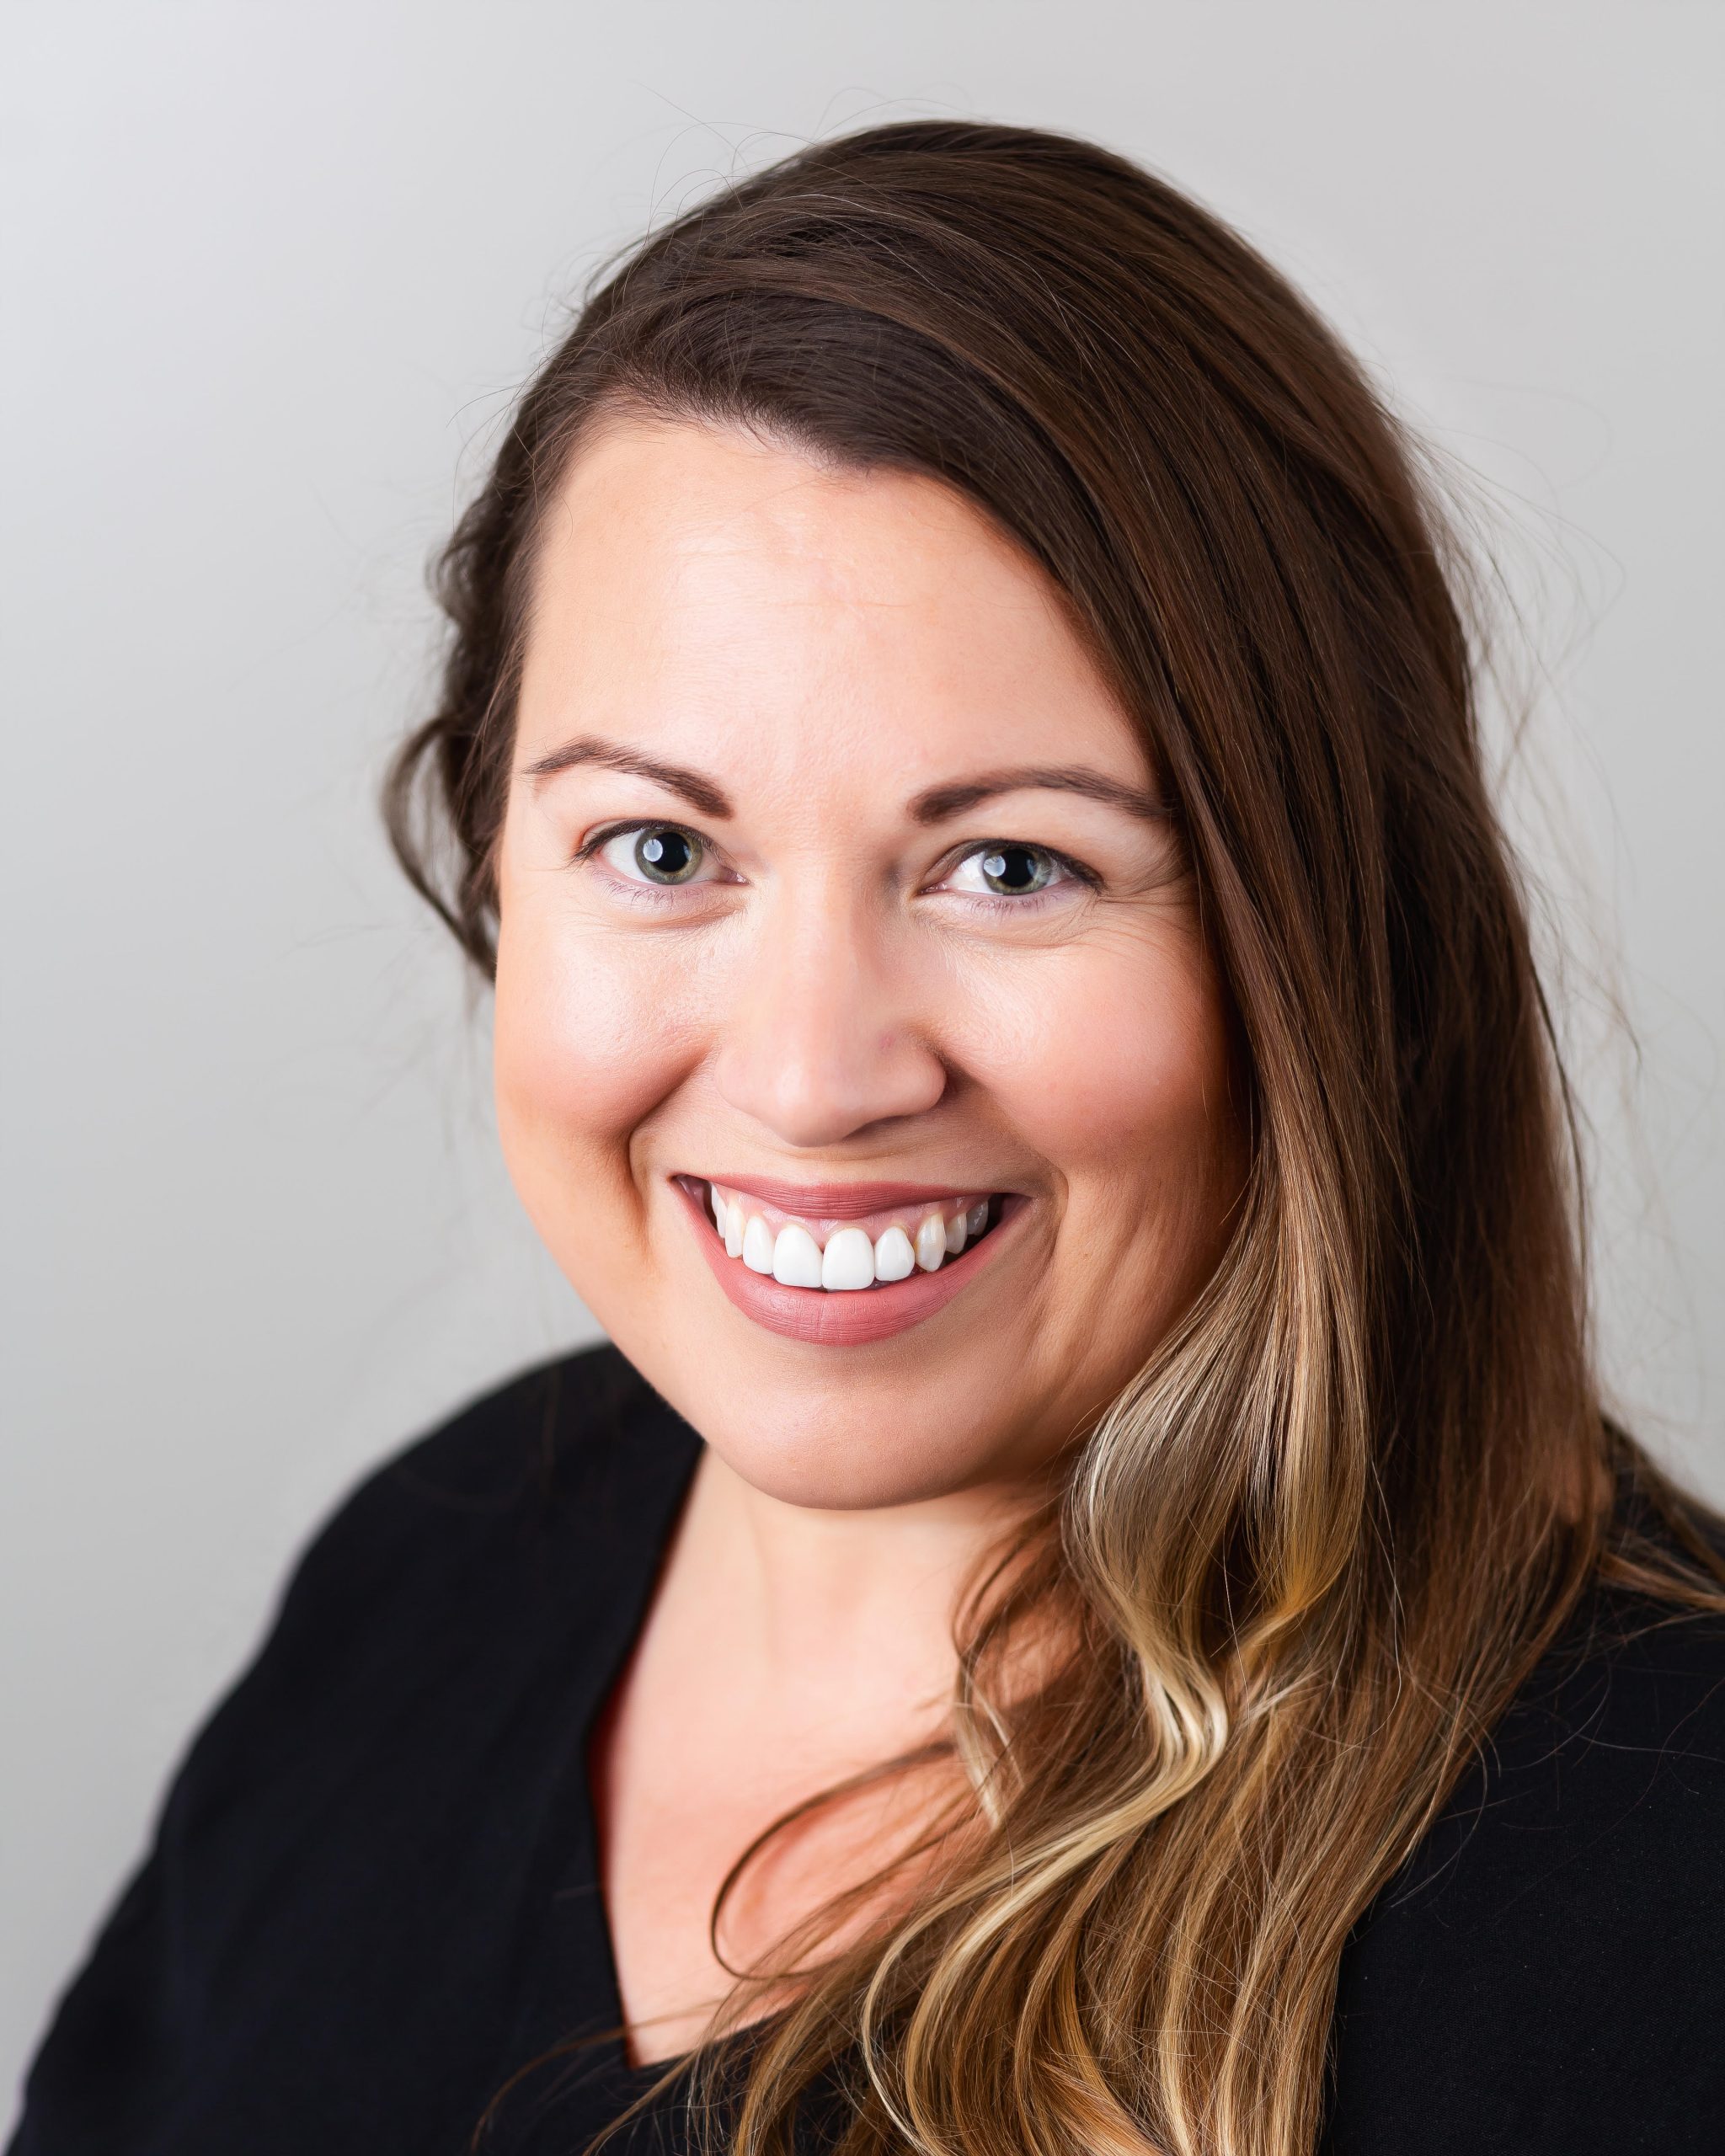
(1311, 1552)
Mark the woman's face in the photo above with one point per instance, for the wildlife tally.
(836, 905)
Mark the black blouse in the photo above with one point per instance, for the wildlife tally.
(372, 1902)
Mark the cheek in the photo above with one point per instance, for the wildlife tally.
(1113, 1061)
(590, 1035)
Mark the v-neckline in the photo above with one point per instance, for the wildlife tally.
(630, 1463)
(625, 2076)
(628, 1616)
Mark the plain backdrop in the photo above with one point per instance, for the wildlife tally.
(271, 271)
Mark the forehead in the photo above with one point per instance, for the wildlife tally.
(709, 595)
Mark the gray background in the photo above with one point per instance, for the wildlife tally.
(271, 271)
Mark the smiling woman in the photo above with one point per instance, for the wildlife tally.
(1089, 1604)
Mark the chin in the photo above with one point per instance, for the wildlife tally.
(826, 1429)
(844, 1463)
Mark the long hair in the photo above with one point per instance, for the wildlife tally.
(1307, 1558)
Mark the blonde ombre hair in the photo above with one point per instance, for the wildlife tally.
(1304, 1563)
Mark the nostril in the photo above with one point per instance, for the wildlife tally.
(815, 1078)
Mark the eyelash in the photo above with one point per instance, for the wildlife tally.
(632, 893)
(994, 903)
(999, 903)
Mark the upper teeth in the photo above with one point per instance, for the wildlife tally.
(852, 1257)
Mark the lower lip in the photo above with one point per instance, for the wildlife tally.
(836, 1317)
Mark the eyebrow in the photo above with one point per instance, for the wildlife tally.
(941, 802)
(702, 793)
(937, 804)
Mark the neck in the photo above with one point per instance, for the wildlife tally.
(862, 1599)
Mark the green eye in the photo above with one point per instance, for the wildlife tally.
(665, 854)
(1016, 871)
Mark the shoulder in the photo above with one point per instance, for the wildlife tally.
(1549, 1971)
(538, 1437)
(377, 1783)
(565, 1452)
(374, 1792)
(504, 1536)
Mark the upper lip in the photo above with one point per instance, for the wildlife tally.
(842, 1201)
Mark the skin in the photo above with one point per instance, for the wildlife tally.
(837, 996)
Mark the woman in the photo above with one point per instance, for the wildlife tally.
(1092, 1604)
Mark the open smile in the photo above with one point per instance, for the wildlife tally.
(842, 1264)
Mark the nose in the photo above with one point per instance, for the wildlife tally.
(823, 1036)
